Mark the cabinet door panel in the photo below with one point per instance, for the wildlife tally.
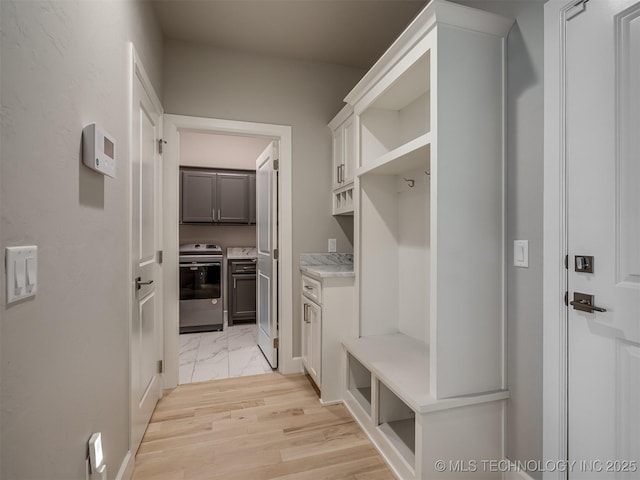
(252, 198)
(243, 303)
(315, 342)
(338, 156)
(233, 198)
(198, 194)
(349, 153)
(306, 333)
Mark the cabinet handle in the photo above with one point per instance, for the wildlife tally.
(234, 283)
(213, 214)
(218, 214)
(306, 313)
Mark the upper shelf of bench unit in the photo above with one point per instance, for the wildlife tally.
(412, 155)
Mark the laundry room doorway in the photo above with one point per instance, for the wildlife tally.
(179, 129)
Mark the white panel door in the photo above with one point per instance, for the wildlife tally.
(603, 212)
(267, 243)
(146, 327)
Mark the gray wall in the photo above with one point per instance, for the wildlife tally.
(65, 353)
(207, 82)
(525, 139)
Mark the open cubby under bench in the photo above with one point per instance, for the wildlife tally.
(387, 392)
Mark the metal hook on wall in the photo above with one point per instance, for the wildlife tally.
(410, 182)
(428, 173)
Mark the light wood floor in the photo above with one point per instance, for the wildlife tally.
(254, 428)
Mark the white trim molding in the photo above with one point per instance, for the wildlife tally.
(555, 237)
(173, 124)
(127, 467)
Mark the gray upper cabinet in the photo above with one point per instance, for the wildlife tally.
(233, 198)
(198, 193)
(217, 196)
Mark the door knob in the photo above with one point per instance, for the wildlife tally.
(584, 303)
(139, 283)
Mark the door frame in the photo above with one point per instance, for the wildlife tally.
(554, 276)
(137, 71)
(173, 124)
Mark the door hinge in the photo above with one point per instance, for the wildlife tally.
(566, 299)
(160, 256)
(566, 262)
(275, 254)
(160, 366)
(576, 9)
(276, 165)
(276, 342)
(161, 142)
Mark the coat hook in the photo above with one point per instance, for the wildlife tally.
(410, 182)
(428, 173)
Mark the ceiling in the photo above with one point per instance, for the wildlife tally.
(346, 32)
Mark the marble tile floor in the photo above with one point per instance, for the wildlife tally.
(217, 355)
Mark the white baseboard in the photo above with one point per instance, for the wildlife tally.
(514, 474)
(126, 469)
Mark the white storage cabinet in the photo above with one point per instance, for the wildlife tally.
(328, 314)
(343, 132)
(426, 377)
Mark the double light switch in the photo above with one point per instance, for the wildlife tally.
(22, 272)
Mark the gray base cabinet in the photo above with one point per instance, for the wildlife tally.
(242, 291)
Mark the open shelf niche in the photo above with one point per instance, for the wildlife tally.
(395, 252)
(397, 422)
(401, 114)
(359, 383)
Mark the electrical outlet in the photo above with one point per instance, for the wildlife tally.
(332, 245)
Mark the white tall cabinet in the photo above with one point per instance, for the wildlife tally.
(426, 377)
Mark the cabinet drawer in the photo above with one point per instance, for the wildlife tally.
(242, 266)
(312, 289)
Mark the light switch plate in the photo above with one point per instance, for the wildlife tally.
(332, 245)
(22, 272)
(521, 253)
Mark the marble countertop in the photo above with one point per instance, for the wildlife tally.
(327, 271)
(234, 253)
(326, 265)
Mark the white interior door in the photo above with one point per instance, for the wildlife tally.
(146, 326)
(603, 212)
(267, 244)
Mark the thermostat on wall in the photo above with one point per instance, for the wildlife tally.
(99, 150)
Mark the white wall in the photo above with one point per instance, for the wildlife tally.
(65, 354)
(525, 131)
(220, 151)
(207, 82)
